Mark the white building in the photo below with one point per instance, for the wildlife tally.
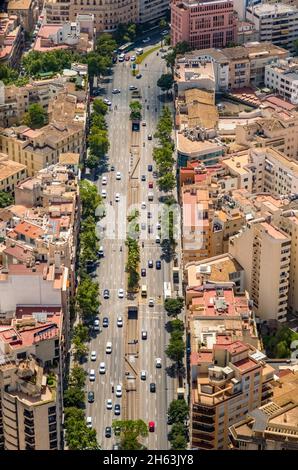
(282, 77)
(151, 10)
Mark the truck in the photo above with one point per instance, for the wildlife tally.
(144, 290)
(167, 290)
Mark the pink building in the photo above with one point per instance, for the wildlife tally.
(203, 24)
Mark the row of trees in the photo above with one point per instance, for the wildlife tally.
(132, 265)
(178, 414)
(176, 347)
(135, 110)
(163, 154)
(98, 136)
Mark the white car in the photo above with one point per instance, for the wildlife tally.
(109, 404)
(143, 375)
(102, 368)
(146, 40)
(104, 193)
(151, 303)
(120, 293)
(104, 180)
(89, 422)
(92, 375)
(109, 347)
(96, 325)
(119, 391)
(107, 101)
(118, 175)
(120, 322)
(133, 58)
(93, 356)
(117, 197)
(158, 226)
(158, 363)
(143, 205)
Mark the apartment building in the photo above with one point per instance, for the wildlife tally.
(227, 381)
(203, 24)
(276, 23)
(152, 10)
(272, 426)
(57, 11)
(11, 173)
(261, 248)
(11, 40)
(26, 11)
(282, 77)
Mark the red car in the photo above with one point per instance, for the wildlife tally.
(151, 426)
(150, 184)
(127, 57)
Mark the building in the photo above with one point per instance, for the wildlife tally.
(151, 11)
(261, 248)
(199, 76)
(26, 11)
(11, 40)
(276, 23)
(246, 32)
(227, 381)
(203, 24)
(57, 11)
(272, 426)
(282, 77)
(11, 174)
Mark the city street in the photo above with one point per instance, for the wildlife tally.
(111, 271)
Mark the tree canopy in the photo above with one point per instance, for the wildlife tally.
(130, 433)
(36, 117)
(78, 435)
(174, 306)
(36, 62)
(165, 82)
(6, 199)
(178, 411)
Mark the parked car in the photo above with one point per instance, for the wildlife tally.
(106, 294)
(143, 272)
(96, 325)
(89, 422)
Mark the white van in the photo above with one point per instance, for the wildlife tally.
(92, 375)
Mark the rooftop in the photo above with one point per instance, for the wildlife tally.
(9, 168)
(221, 267)
(19, 5)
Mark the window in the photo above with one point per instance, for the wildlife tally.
(52, 410)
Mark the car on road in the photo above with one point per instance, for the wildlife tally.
(106, 294)
(143, 205)
(154, 174)
(104, 180)
(92, 375)
(143, 375)
(139, 75)
(158, 264)
(144, 123)
(117, 409)
(151, 426)
(143, 178)
(96, 325)
(150, 228)
(151, 302)
(105, 322)
(107, 101)
(108, 431)
(117, 430)
(143, 272)
(150, 184)
(90, 397)
(149, 136)
(158, 363)
(93, 356)
(118, 175)
(157, 239)
(102, 368)
(150, 168)
(146, 40)
(143, 226)
(120, 322)
(119, 391)
(165, 32)
(104, 193)
(101, 251)
(120, 293)
(115, 91)
(144, 334)
(132, 87)
(117, 197)
(127, 57)
(149, 215)
(109, 347)
(158, 226)
(112, 168)
(109, 404)
(115, 446)
(133, 58)
(152, 387)
(89, 422)
(150, 263)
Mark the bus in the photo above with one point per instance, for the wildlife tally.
(126, 48)
(167, 290)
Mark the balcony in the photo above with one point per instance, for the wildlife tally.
(202, 445)
(208, 428)
(205, 437)
(203, 419)
(197, 409)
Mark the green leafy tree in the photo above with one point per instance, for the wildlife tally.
(174, 306)
(179, 443)
(165, 82)
(53, 61)
(178, 429)
(78, 435)
(6, 199)
(175, 350)
(182, 47)
(163, 23)
(98, 142)
(77, 377)
(36, 117)
(80, 331)
(170, 59)
(80, 349)
(106, 44)
(167, 182)
(99, 107)
(89, 197)
(87, 298)
(178, 411)
(130, 433)
(177, 325)
(74, 396)
(135, 110)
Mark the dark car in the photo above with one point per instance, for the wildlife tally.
(106, 294)
(150, 168)
(158, 264)
(149, 215)
(139, 75)
(150, 263)
(143, 272)
(150, 229)
(90, 397)
(112, 168)
(105, 322)
(117, 409)
(154, 174)
(117, 431)
(150, 184)
(143, 177)
(152, 387)
(144, 334)
(108, 431)
(149, 136)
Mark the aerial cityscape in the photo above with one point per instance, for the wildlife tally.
(149, 225)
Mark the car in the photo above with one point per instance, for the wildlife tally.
(157, 239)
(120, 322)
(93, 356)
(163, 56)
(154, 174)
(89, 422)
(146, 40)
(143, 272)
(149, 136)
(144, 334)
(108, 431)
(117, 430)
(150, 229)
(150, 263)
(150, 184)
(133, 58)
(101, 251)
(117, 197)
(107, 101)
(92, 375)
(151, 426)
(104, 193)
(121, 59)
(109, 347)
(119, 391)
(165, 32)
(112, 168)
(90, 397)
(162, 50)
(127, 57)
(109, 404)
(143, 226)
(158, 264)
(152, 387)
(144, 123)
(151, 302)
(105, 322)
(120, 293)
(96, 325)
(102, 368)
(118, 175)
(115, 446)
(143, 205)
(115, 91)
(132, 87)
(150, 167)
(149, 215)
(143, 375)
(106, 294)
(158, 363)
(139, 75)
(143, 178)
(117, 409)
(158, 226)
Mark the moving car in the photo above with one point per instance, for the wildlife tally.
(117, 409)
(165, 32)
(105, 322)
(132, 87)
(96, 325)
(106, 294)
(118, 175)
(144, 334)
(157, 239)
(133, 58)
(108, 431)
(117, 197)
(120, 322)
(149, 136)
(107, 101)
(151, 426)
(101, 251)
(152, 387)
(143, 178)
(151, 302)
(104, 193)
(143, 205)
(112, 168)
(119, 391)
(93, 356)
(102, 368)
(89, 422)
(150, 184)
(146, 40)
(143, 375)
(158, 226)
(92, 375)
(117, 430)
(149, 215)
(150, 167)
(109, 404)
(150, 263)
(144, 123)
(115, 91)
(158, 264)
(143, 272)
(90, 397)
(120, 293)
(143, 226)
(158, 363)
(150, 228)
(109, 347)
(139, 75)
(127, 57)
(104, 180)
